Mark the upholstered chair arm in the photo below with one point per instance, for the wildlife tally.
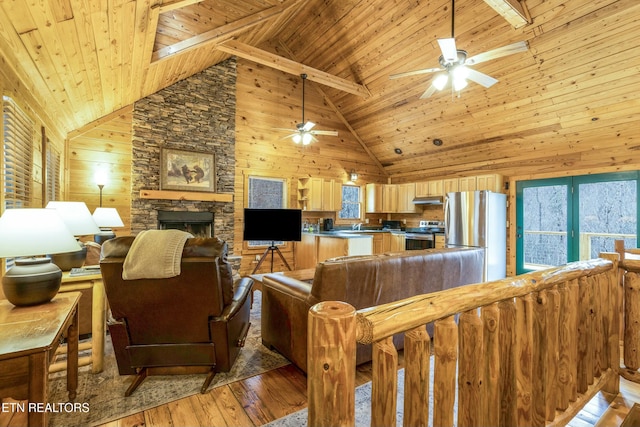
(242, 289)
(288, 285)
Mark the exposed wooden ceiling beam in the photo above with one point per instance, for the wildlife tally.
(515, 12)
(286, 65)
(176, 4)
(343, 119)
(224, 32)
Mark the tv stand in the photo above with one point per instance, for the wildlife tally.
(273, 248)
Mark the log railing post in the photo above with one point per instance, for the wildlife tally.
(444, 382)
(573, 308)
(508, 389)
(384, 383)
(331, 364)
(632, 321)
(470, 372)
(417, 361)
(552, 333)
(539, 387)
(612, 342)
(524, 359)
(491, 337)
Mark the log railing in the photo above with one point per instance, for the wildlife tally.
(630, 278)
(526, 351)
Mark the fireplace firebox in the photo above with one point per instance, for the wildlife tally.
(200, 224)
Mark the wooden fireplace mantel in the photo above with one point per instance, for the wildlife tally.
(186, 195)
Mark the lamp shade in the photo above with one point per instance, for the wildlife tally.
(76, 216)
(107, 218)
(34, 231)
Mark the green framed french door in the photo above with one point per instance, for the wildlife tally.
(560, 220)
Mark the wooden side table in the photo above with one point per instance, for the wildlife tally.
(28, 339)
(94, 312)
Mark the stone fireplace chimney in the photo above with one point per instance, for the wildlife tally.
(198, 114)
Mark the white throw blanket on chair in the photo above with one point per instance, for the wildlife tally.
(155, 254)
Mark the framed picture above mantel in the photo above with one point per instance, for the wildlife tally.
(187, 170)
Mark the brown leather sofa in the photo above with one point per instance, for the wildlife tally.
(362, 281)
(198, 318)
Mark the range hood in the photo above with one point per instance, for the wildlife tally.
(428, 200)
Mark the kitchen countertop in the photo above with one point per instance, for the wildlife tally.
(342, 234)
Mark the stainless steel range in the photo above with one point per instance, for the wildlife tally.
(423, 237)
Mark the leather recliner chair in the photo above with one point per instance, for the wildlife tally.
(198, 318)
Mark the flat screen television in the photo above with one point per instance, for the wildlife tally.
(275, 225)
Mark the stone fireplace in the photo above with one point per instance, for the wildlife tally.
(196, 114)
(199, 224)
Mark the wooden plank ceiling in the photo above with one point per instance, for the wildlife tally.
(572, 94)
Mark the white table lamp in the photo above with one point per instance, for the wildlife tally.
(31, 232)
(106, 219)
(78, 219)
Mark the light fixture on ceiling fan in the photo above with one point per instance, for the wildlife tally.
(303, 132)
(454, 68)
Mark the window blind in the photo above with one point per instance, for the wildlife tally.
(18, 155)
(53, 173)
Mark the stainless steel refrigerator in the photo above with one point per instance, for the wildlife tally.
(479, 219)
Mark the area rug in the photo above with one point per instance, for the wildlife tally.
(102, 398)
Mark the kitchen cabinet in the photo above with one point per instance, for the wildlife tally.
(406, 194)
(467, 183)
(317, 194)
(491, 182)
(397, 242)
(429, 188)
(450, 185)
(332, 246)
(381, 198)
(331, 195)
(373, 195)
(439, 241)
(381, 242)
(305, 251)
(389, 198)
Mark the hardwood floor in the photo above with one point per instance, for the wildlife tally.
(264, 398)
(261, 399)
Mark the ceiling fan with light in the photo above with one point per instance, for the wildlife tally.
(303, 132)
(454, 68)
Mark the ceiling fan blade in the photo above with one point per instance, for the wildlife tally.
(308, 126)
(448, 48)
(498, 53)
(430, 91)
(415, 73)
(324, 132)
(285, 129)
(481, 78)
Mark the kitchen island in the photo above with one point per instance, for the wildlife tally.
(347, 244)
(317, 247)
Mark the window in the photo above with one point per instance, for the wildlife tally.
(351, 204)
(18, 155)
(561, 220)
(266, 193)
(52, 174)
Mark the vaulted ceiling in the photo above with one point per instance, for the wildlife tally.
(572, 94)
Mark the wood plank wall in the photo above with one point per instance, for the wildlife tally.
(268, 99)
(102, 146)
